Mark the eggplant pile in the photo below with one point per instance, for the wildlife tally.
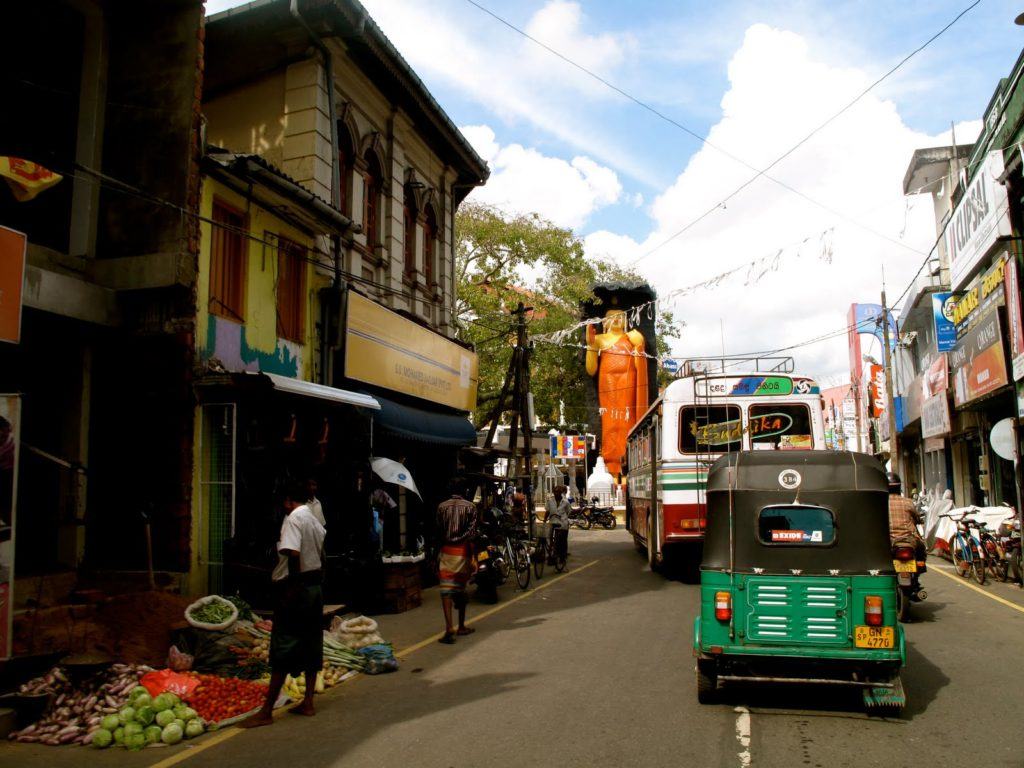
(76, 711)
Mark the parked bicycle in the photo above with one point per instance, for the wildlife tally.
(545, 552)
(965, 548)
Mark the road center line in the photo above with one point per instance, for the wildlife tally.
(229, 733)
(743, 735)
(979, 590)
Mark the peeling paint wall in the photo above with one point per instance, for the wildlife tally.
(254, 345)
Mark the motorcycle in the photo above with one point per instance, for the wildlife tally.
(490, 570)
(1009, 538)
(580, 517)
(603, 516)
(908, 558)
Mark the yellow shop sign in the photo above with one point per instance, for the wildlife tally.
(384, 349)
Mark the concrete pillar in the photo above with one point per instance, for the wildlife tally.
(307, 153)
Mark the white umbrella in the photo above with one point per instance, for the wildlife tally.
(391, 471)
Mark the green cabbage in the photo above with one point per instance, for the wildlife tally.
(126, 715)
(144, 715)
(164, 701)
(180, 723)
(153, 734)
(194, 728)
(186, 714)
(102, 738)
(172, 734)
(164, 718)
(142, 700)
(110, 723)
(135, 741)
(131, 729)
(138, 690)
(119, 736)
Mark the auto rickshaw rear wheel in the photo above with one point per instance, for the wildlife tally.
(707, 681)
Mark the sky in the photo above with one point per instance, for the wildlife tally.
(753, 78)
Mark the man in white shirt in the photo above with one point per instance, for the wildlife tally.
(296, 641)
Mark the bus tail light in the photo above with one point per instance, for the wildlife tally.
(873, 610)
(723, 606)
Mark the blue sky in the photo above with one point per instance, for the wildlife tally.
(757, 76)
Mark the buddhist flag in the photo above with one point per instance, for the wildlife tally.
(26, 178)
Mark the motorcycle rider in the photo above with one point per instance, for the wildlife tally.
(903, 516)
(556, 515)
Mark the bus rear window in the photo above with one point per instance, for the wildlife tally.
(796, 525)
(785, 426)
(710, 428)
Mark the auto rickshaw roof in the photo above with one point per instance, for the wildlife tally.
(852, 486)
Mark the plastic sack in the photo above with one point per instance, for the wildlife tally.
(380, 658)
(356, 633)
(213, 627)
(168, 680)
(178, 661)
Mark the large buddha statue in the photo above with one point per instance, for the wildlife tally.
(616, 356)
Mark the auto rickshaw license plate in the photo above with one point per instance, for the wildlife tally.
(874, 637)
(908, 566)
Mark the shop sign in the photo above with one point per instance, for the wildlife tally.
(978, 221)
(936, 378)
(12, 278)
(755, 386)
(10, 425)
(932, 444)
(384, 349)
(849, 408)
(876, 391)
(913, 398)
(935, 416)
(985, 292)
(1015, 330)
(943, 305)
(978, 362)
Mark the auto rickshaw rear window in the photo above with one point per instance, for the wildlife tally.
(796, 525)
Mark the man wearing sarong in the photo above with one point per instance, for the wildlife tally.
(296, 641)
(456, 525)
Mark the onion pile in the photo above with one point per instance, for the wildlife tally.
(75, 713)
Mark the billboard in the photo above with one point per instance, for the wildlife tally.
(979, 219)
(387, 350)
(943, 306)
(978, 362)
(10, 428)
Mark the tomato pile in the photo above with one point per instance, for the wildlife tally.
(220, 698)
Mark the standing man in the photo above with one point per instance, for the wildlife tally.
(313, 502)
(556, 515)
(296, 641)
(456, 525)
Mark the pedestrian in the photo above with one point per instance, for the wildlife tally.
(296, 640)
(456, 524)
(556, 515)
(313, 502)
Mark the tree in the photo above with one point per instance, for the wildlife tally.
(504, 259)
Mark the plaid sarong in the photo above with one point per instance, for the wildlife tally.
(455, 566)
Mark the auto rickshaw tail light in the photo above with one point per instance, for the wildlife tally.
(873, 610)
(723, 606)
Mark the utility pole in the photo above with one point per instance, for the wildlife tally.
(890, 408)
(856, 414)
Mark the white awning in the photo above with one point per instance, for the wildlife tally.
(309, 389)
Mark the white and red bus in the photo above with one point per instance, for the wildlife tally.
(707, 411)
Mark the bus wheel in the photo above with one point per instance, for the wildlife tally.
(707, 681)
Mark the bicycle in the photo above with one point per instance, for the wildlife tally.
(965, 549)
(517, 553)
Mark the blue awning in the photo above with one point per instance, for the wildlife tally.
(425, 426)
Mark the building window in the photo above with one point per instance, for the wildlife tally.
(409, 216)
(291, 290)
(227, 263)
(429, 246)
(371, 201)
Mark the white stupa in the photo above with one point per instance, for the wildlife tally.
(601, 483)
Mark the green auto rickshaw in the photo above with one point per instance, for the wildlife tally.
(797, 579)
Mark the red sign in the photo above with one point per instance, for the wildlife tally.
(876, 391)
(978, 361)
(1015, 332)
(12, 278)
(936, 378)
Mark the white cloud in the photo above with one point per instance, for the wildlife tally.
(777, 93)
(513, 77)
(525, 181)
(637, 200)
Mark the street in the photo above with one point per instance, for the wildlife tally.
(594, 668)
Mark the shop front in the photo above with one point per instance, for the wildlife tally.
(426, 386)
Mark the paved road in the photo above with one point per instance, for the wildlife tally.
(595, 670)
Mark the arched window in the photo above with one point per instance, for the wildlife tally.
(346, 162)
(372, 179)
(429, 245)
(409, 216)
